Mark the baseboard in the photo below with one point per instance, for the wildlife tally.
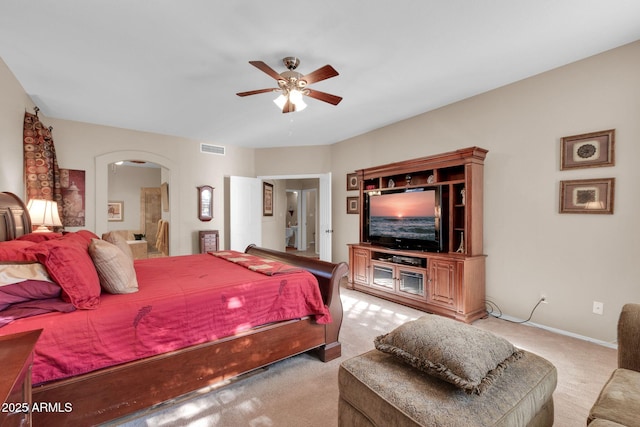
(559, 331)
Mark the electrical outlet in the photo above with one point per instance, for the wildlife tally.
(544, 299)
(598, 307)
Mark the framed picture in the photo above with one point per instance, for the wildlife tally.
(352, 205)
(589, 150)
(267, 199)
(352, 181)
(72, 184)
(587, 196)
(115, 211)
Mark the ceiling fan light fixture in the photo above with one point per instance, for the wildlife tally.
(300, 105)
(279, 101)
(295, 96)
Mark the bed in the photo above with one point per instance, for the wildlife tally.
(159, 360)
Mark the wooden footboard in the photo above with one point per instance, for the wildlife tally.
(329, 276)
(113, 392)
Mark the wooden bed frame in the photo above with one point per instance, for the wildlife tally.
(117, 391)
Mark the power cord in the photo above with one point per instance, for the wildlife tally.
(491, 307)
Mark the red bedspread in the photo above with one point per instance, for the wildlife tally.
(182, 301)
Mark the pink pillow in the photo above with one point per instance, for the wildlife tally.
(13, 250)
(88, 235)
(78, 238)
(68, 262)
(39, 237)
(28, 290)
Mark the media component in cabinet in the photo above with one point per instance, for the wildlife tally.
(399, 274)
(399, 279)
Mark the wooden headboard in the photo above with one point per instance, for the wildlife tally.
(14, 217)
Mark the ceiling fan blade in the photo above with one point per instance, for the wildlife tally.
(265, 68)
(255, 92)
(322, 96)
(320, 74)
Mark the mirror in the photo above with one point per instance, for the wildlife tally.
(205, 203)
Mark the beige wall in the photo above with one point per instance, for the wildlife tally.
(573, 259)
(293, 160)
(13, 103)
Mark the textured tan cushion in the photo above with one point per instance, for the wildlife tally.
(388, 392)
(619, 400)
(115, 269)
(466, 356)
(117, 239)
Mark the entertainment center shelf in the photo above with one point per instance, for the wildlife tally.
(441, 271)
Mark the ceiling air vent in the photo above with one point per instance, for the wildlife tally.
(212, 149)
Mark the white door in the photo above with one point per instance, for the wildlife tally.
(245, 209)
(309, 213)
(324, 207)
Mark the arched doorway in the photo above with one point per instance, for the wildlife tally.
(169, 175)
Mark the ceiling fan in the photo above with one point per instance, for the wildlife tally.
(293, 85)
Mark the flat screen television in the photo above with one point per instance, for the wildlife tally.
(406, 219)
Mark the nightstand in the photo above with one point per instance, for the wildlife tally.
(16, 358)
(208, 241)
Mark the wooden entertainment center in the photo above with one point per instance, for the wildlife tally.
(450, 282)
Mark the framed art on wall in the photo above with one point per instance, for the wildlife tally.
(352, 205)
(72, 183)
(115, 211)
(589, 150)
(267, 199)
(352, 181)
(587, 196)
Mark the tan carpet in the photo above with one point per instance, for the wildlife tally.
(302, 391)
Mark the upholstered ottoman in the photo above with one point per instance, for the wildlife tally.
(381, 389)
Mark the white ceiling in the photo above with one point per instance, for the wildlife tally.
(174, 66)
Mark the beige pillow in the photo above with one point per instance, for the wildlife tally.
(115, 269)
(119, 241)
(464, 355)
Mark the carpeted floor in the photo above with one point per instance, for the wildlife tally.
(302, 391)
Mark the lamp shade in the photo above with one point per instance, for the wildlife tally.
(295, 97)
(44, 214)
(280, 100)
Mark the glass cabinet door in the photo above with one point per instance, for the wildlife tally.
(383, 276)
(411, 282)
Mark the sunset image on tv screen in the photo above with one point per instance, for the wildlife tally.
(403, 215)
